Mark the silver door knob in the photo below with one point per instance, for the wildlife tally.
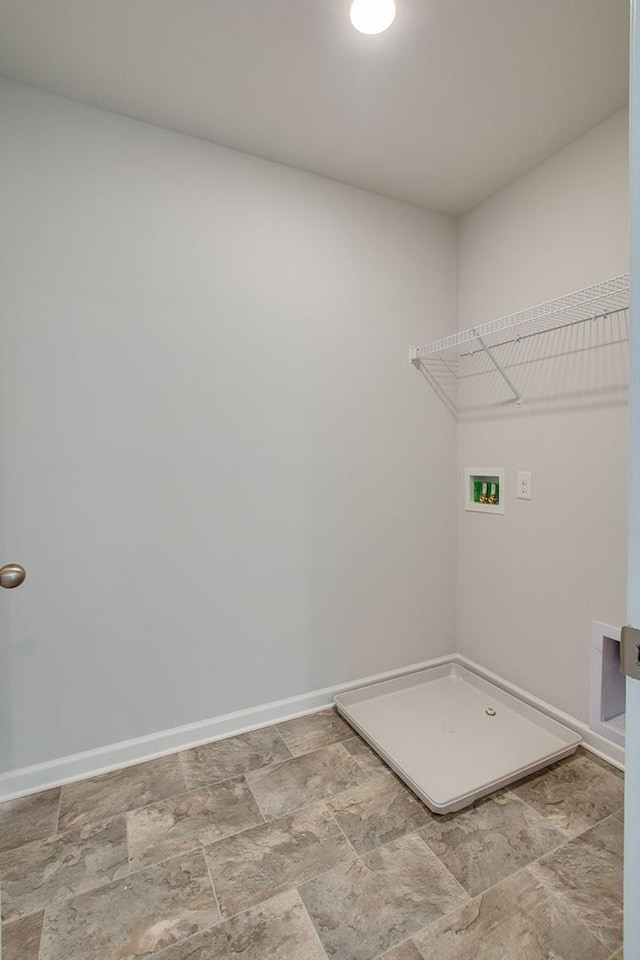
(12, 575)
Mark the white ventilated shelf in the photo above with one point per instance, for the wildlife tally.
(457, 366)
(452, 736)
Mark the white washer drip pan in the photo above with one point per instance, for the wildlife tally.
(436, 729)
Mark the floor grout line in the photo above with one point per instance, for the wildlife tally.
(507, 876)
(296, 884)
(335, 820)
(549, 823)
(187, 789)
(257, 803)
(469, 897)
(150, 866)
(556, 895)
(306, 753)
(36, 839)
(198, 933)
(183, 770)
(311, 803)
(426, 927)
(552, 893)
(311, 921)
(126, 834)
(125, 813)
(479, 896)
(90, 823)
(510, 789)
(569, 907)
(213, 886)
(321, 803)
(58, 813)
(41, 938)
(284, 742)
(539, 816)
(214, 783)
(409, 939)
(124, 878)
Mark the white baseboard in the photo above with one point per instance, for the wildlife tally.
(91, 763)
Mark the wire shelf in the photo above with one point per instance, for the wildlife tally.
(456, 365)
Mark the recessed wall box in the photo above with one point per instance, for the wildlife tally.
(484, 489)
(608, 694)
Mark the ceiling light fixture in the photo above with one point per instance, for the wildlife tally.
(372, 16)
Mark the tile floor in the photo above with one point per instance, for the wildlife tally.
(296, 843)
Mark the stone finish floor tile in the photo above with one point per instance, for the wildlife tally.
(46, 871)
(594, 758)
(180, 824)
(490, 841)
(21, 939)
(279, 929)
(232, 757)
(29, 818)
(89, 800)
(266, 860)
(405, 951)
(378, 811)
(310, 778)
(305, 734)
(517, 920)
(575, 794)
(133, 917)
(365, 757)
(362, 908)
(586, 874)
(76, 890)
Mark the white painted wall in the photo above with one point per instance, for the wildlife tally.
(531, 582)
(225, 480)
(227, 483)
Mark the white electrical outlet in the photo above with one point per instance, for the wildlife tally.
(524, 485)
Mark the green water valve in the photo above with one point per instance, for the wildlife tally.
(484, 489)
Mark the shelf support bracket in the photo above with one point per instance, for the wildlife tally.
(504, 376)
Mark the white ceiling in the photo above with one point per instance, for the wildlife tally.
(457, 99)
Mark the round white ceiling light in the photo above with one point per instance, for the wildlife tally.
(372, 16)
